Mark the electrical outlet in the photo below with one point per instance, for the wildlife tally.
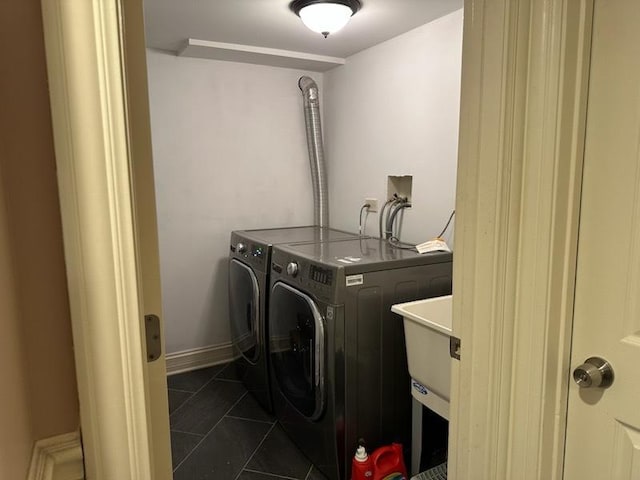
(373, 204)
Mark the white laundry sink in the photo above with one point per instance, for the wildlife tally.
(427, 326)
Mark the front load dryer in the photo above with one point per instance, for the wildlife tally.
(337, 352)
(250, 254)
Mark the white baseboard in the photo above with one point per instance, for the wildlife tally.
(187, 360)
(57, 458)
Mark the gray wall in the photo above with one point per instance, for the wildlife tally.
(393, 110)
(230, 153)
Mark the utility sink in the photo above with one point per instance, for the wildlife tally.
(427, 327)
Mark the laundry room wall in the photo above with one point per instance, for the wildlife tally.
(230, 153)
(393, 109)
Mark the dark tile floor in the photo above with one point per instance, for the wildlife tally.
(218, 431)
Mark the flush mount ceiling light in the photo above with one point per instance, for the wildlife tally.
(325, 16)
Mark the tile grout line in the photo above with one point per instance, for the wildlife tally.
(181, 405)
(189, 433)
(268, 474)
(269, 422)
(209, 432)
(213, 376)
(228, 365)
(256, 449)
(179, 390)
(309, 472)
(194, 393)
(228, 380)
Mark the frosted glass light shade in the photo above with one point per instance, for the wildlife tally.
(325, 18)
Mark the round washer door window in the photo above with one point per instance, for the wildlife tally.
(244, 310)
(296, 346)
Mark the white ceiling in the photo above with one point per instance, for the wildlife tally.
(270, 23)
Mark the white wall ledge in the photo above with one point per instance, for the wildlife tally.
(258, 55)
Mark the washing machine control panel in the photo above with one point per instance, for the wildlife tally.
(251, 250)
(252, 253)
(257, 251)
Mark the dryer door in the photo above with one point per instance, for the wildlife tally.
(297, 349)
(244, 310)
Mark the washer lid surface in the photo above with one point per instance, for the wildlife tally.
(274, 236)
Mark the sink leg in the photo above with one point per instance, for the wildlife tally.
(416, 435)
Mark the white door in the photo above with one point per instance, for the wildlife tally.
(603, 433)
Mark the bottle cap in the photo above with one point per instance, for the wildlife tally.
(361, 454)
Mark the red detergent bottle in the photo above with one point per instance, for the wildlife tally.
(361, 466)
(388, 463)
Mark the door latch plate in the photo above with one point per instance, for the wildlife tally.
(454, 347)
(152, 331)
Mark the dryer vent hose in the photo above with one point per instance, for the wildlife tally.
(311, 102)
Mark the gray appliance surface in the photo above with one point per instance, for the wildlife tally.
(338, 357)
(360, 255)
(293, 235)
(250, 253)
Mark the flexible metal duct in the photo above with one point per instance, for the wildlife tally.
(316, 152)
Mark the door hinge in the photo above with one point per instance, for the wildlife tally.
(454, 347)
(152, 331)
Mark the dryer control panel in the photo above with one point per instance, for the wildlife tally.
(316, 279)
(321, 275)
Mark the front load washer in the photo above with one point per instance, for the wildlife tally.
(337, 352)
(250, 254)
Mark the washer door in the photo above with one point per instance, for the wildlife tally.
(244, 310)
(297, 349)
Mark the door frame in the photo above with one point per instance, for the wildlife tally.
(525, 71)
(524, 92)
(85, 63)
